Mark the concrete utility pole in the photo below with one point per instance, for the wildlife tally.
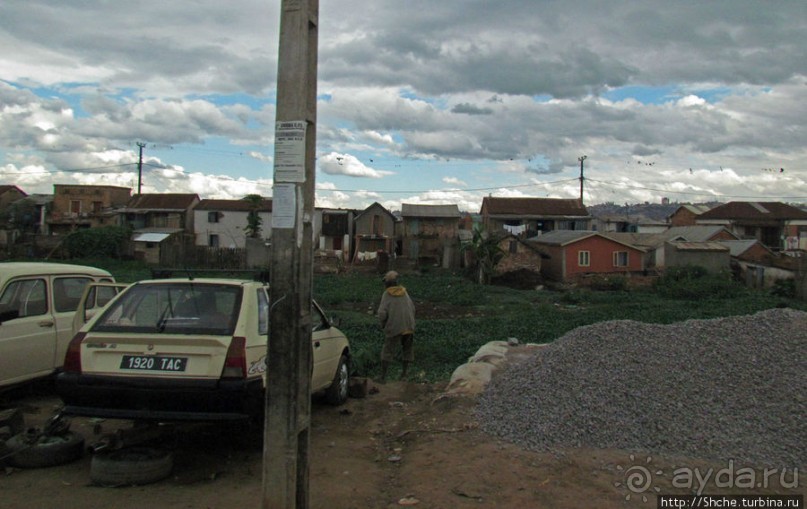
(140, 167)
(289, 353)
(581, 159)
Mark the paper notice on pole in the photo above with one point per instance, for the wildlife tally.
(284, 206)
(290, 151)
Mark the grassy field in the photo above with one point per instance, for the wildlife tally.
(455, 316)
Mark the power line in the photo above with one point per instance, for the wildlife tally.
(69, 170)
(692, 193)
(616, 185)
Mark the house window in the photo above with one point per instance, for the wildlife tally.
(213, 240)
(513, 247)
(620, 258)
(75, 206)
(584, 258)
(97, 206)
(213, 217)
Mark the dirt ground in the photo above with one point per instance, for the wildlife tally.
(403, 445)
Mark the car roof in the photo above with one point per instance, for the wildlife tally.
(9, 270)
(201, 280)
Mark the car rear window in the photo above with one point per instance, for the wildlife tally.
(176, 308)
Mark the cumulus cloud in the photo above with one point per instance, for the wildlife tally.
(454, 181)
(346, 164)
(515, 94)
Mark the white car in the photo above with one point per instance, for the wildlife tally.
(187, 349)
(37, 305)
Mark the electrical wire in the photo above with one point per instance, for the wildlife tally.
(691, 193)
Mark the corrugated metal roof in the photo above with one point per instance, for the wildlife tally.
(233, 205)
(566, 237)
(412, 210)
(738, 247)
(163, 201)
(562, 237)
(698, 233)
(6, 188)
(524, 207)
(150, 237)
(696, 209)
(754, 210)
(699, 246)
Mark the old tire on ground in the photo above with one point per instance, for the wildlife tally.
(45, 451)
(131, 466)
(338, 391)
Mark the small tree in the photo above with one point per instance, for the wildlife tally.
(486, 254)
(102, 242)
(253, 227)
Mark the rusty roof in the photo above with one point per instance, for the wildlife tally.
(233, 205)
(524, 207)
(6, 188)
(699, 246)
(744, 210)
(163, 201)
(566, 237)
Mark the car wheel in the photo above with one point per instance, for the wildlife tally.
(338, 391)
(131, 466)
(27, 451)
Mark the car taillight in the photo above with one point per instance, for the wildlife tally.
(72, 359)
(235, 363)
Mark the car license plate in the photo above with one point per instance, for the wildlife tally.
(153, 363)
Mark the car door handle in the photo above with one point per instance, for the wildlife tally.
(316, 344)
(46, 323)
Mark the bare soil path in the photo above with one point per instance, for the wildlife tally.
(403, 445)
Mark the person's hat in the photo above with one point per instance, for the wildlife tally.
(390, 276)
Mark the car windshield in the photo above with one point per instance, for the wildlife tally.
(175, 308)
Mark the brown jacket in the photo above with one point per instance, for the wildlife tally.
(396, 312)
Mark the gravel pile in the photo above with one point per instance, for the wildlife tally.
(728, 388)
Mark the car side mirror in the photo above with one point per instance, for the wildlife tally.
(9, 315)
(335, 322)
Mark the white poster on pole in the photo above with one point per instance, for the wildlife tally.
(290, 151)
(284, 205)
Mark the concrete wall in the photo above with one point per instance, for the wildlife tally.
(229, 228)
(713, 261)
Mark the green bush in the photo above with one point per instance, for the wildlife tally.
(694, 282)
(611, 283)
(103, 242)
(784, 288)
(574, 296)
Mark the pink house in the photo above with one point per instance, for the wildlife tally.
(572, 254)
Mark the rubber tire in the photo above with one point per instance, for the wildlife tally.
(47, 451)
(337, 393)
(131, 466)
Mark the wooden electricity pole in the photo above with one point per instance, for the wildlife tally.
(140, 168)
(289, 356)
(581, 159)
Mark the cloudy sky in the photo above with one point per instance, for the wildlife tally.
(419, 101)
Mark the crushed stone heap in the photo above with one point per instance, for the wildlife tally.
(726, 388)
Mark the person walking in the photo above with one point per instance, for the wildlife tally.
(396, 313)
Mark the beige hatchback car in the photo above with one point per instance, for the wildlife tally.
(187, 349)
(38, 302)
